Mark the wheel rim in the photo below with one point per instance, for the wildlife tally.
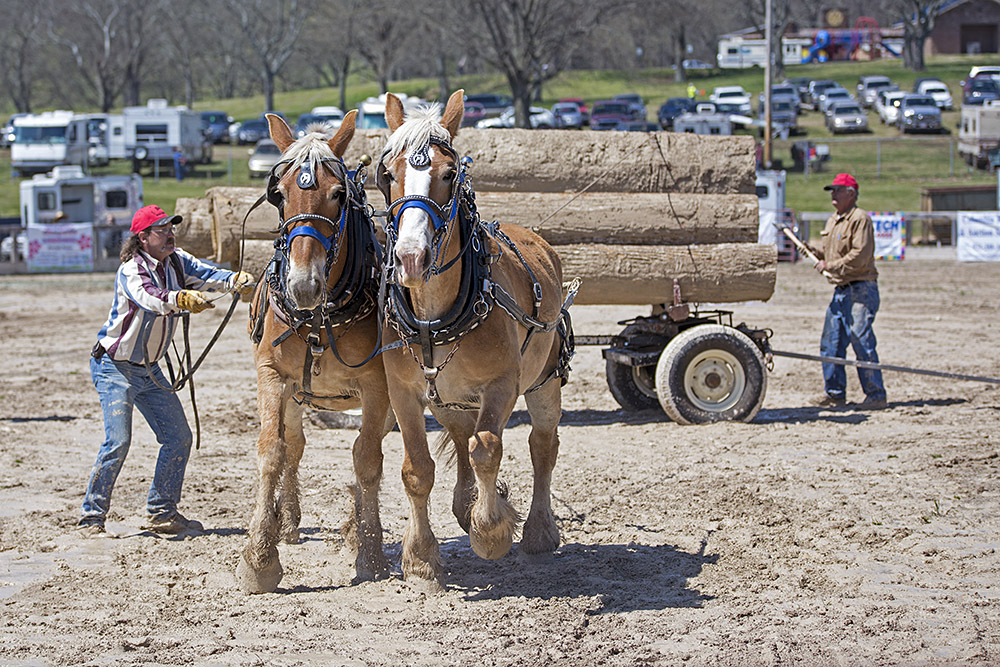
(644, 378)
(714, 381)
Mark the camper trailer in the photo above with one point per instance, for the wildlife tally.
(736, 52)
(979, 133)
(106, 135)
(67, 215)
(704, 120)
(45, 140)
(153, 132)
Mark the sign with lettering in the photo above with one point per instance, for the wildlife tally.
(57, 246)
(890, 235)
(978, 236)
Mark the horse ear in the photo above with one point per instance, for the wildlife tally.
(338, 144)
(393, 111)
(280, 132)
(453, 112)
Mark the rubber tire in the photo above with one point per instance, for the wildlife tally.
(626, 385)
(722, 344)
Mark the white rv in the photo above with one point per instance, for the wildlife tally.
(106, 134)
(736, 52)
(45, 140)
(153, 132)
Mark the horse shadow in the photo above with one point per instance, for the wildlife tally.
(613, 578)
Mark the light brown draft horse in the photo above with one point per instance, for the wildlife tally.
(466, 359)
(322, 284)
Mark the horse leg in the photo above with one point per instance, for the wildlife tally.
(421, 558)
(540, 534)
(493, 519)
(460, 425)
(370, 562)
(289, 511)
(259, 569)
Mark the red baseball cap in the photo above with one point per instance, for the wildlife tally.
(845, 180)
(152, 216)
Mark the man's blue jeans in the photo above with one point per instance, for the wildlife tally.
(849, 319)
(122, 386)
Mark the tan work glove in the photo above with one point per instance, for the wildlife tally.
(193, 300)
(243, 283)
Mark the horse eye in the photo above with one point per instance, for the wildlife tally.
(449, 175)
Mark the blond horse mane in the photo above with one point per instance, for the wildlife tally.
(422, 124)
(311, 147)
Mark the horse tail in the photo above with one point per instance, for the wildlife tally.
(448, 454)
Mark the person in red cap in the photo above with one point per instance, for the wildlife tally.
(848, 255)
(155, 283)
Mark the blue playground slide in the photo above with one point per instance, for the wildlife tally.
(822, 41)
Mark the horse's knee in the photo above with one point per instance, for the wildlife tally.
(485, 452)
(418, 479)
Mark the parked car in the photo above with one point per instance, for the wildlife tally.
(263, 156)
(817, 88)
(784, 119)
(938, 91)
(606, 114)
(307, 119)
(868, 89)
(637, 126)
(979, 90)
(732, 95)
(474, 112)
(832, 95)
(540, 119)
(983, 70)
(782, 93)
(693, 63)
(671, 109)
(847, 117)
(567, 115)
(578, 101)
(801, 85)
(252, 131)
(918, 112)
(636, 105)
(887, 106)
(216, 125)
(494, 103)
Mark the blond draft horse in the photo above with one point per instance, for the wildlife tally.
(301, 301)
(470, 378)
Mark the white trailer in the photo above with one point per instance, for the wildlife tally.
(106, 134)
(979, 133)
(45, 140)
(153, 132)
(737, 52)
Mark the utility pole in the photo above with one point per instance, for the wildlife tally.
(767, 84)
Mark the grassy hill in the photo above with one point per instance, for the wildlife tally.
(892, 170)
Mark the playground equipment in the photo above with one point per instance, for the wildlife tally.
(866, 41)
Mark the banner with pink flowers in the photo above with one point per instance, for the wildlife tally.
(56, 247)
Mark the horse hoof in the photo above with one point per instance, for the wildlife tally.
(491, 547)
(264, 580)
(371, 569)
(425, 586)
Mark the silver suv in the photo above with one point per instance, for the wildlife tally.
(918, 112)
(869, 87)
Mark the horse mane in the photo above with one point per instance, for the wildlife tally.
(312, 147)
(421, 125)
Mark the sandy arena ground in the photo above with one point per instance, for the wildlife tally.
(806, 537)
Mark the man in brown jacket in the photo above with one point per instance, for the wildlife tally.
(848, 255)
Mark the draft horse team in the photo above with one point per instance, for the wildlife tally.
(451, 314)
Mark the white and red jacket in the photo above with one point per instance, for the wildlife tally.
(146, 297)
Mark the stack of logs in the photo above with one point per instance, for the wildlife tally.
(654, 207)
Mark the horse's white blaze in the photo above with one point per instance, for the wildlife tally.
(414, 228)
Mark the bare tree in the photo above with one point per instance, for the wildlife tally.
(530, 41)
(271, 28)
(329, 41)
(19, 51)
(781, 16)
(918, 18)
(384, 28)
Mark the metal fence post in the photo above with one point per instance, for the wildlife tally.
(951, 157)
(878, 158)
